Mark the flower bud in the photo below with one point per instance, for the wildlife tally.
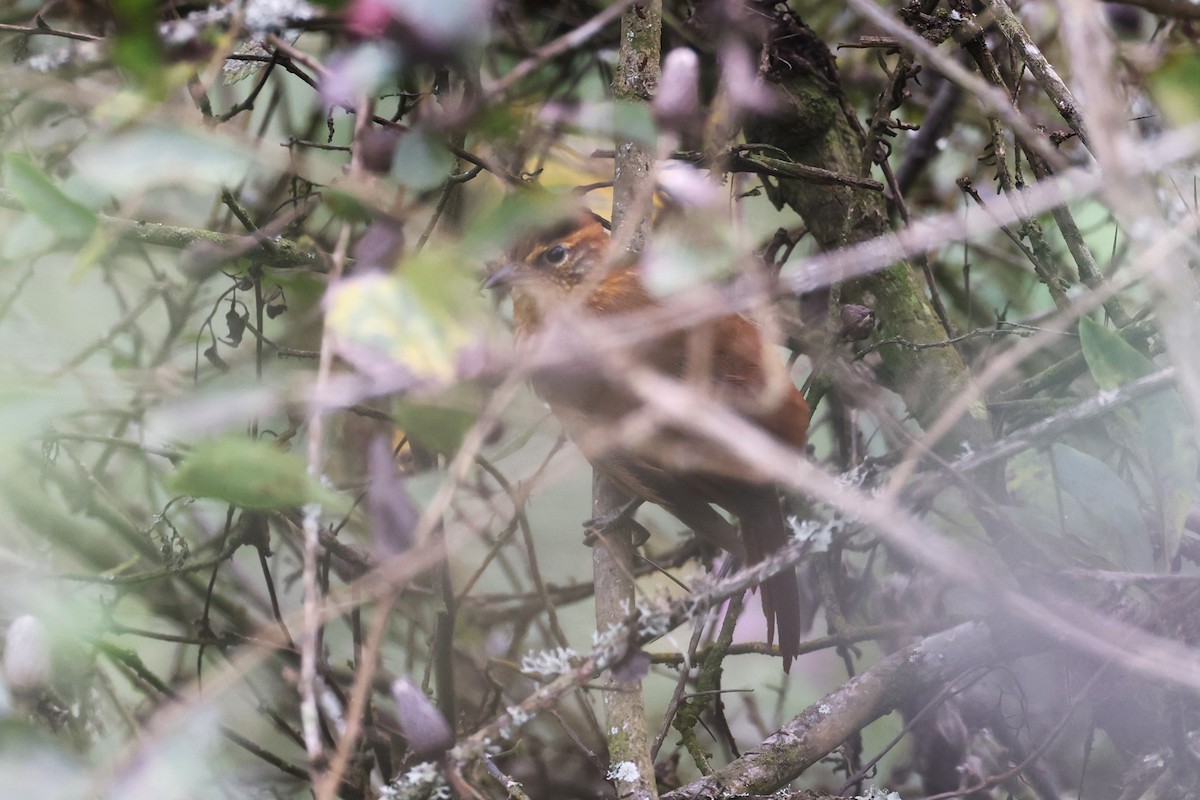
(858, 322)
(26, 656)
(677, 101)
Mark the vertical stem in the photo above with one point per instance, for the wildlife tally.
(638, 63)
(310, 640)
(631, 768)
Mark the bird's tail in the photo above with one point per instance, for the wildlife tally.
(764, 533)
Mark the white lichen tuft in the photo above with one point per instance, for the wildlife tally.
(423, 781)
(518, 718)
(855, 477)
(875, 793)
(623, 772)
(263, 16)
(817, 533)
(50, 60)
(548, 663)
(654, 617)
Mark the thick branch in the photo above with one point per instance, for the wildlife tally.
(631, 768)
(814, 127)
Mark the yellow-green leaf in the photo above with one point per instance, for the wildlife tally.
(423, 319)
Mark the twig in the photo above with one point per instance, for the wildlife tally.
(548, 52)
(822, 269)
(151, 294)
(1017, 769)
(820, 728)
(1049, 429)
(1047, 77)
(994, 100)
(43, 29)
(635, 630)
(310, 637)
(848, 637)
(900, 341)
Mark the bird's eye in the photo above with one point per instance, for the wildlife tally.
(555, 255)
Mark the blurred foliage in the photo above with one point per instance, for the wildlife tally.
(199, 205)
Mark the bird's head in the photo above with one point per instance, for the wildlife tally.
(552, 262)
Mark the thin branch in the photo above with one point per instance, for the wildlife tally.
(820, 728)
(42, 29)
(497, 89)
(1047, 77)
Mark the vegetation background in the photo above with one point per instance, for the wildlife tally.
(280, 517)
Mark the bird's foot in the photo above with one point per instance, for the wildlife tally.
(622, 516)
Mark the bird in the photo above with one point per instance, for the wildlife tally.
(568, 268)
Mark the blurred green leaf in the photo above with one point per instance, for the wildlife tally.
(502, 123)
(421, 161)
(438, 424)
(29, 405)
(618, 119)
(177, 764)
(1155, 430)
(45, 201)
(148, 157)
(345, 205)
(1056, 530)
(683, 258)
(1111, 359)
(32, 764)
(1116, 527)
(515, 216)
(137, 48)
(28, 237)
(424, 318)
(1175, 85)
(248, 474)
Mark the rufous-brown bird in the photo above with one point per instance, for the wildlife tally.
(567, 269)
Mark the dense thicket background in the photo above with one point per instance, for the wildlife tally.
(281, 518)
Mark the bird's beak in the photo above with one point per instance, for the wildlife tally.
(500, 275)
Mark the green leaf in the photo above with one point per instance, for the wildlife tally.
(440, 423)
(1056, 531)
(137, 48)
(247, 473)
(45, 201)
(345, 205)
(424, 318)
(619, 119)
(144, 157)
(27, 238)
(1111, 359)
(1114, 523)
(684, 258)
(515, 216)
(1155, 430)
(1173, 86)
(421, 161)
